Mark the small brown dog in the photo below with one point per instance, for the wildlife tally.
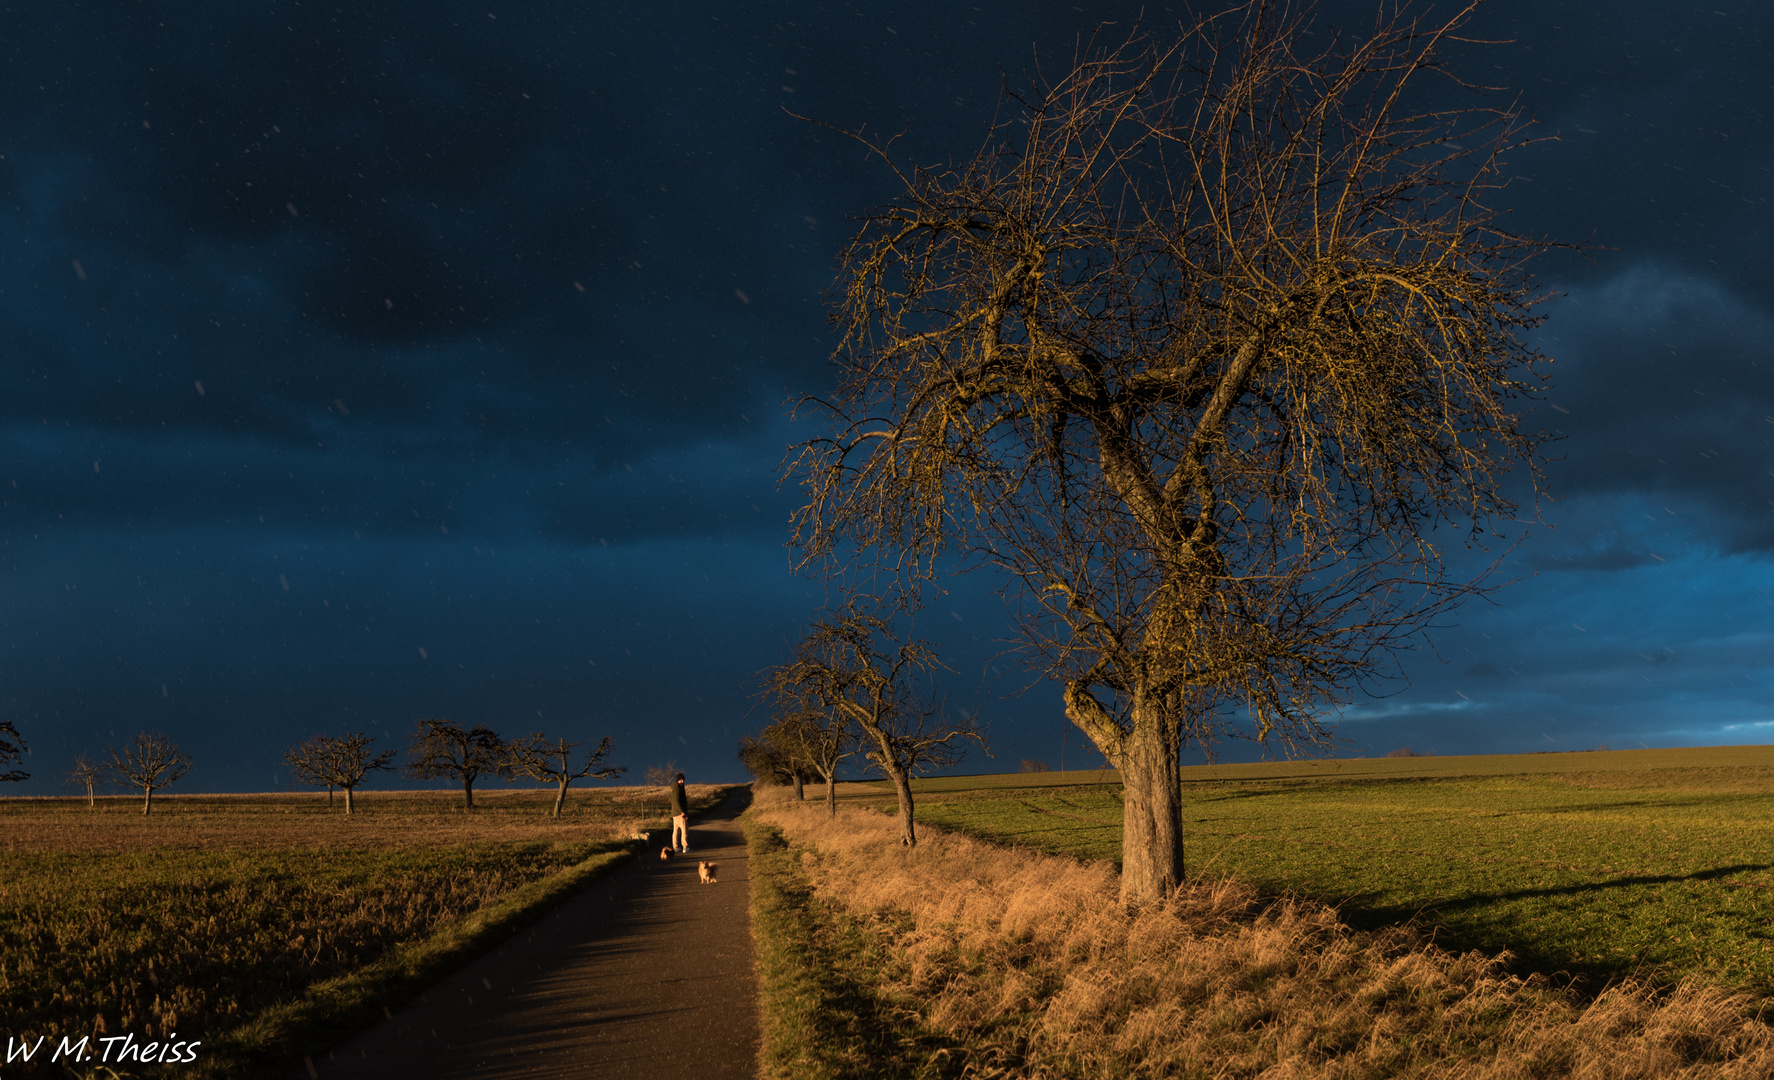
(707, 872)
(664, 854)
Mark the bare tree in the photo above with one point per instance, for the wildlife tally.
(770, 756)
(766, 761)
(533, 757)
(88, 774)
(307, 763)
(819, 744)
(1200, 352)
(12, 748)
(662, 776)
(337, 761)
(440, 748)
(807, 737)
(149, 761)
(858, 672)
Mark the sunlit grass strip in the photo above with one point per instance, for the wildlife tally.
(1031, 954)
(338, 1008)
(826, 1014)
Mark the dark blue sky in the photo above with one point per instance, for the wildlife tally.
(383, 361)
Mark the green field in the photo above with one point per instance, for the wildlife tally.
(1601, 864)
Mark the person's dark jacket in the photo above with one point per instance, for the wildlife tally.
(680, 804)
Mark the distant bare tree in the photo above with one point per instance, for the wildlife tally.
(306, 765)
(661, 775)
(1200, 352)
(149, 761)
(819, 744)
(767, 762)
(1030, 765)
(807, 737)
(12, 748)
(337, 761)
(534, 757)
(88, 774)
(774, 761)
(440, 748)
(857, 671)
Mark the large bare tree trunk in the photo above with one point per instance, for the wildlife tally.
(468, 794)
(902, 785)
(560, 797)
(1151, 813)
(799, 793)
(147, 800)
(348, 803)
(831, 794)
(1146, 751)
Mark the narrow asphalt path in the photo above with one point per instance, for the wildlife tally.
(647, 973)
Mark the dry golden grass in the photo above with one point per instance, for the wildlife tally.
(1028, 960)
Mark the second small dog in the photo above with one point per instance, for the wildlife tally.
(707, 872)
(664, 854)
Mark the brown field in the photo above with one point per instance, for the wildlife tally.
(277, 821)
(219, 916)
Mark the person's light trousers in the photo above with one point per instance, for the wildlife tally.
(680, 832)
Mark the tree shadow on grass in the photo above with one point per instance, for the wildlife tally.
(1211, 792)
(1453, 929)
(1599, 886)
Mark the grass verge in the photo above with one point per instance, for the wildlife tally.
(825, 1011)
(1028, 962)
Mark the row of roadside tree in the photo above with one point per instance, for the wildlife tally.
(438, 749)
(854, 688)
(150, 761)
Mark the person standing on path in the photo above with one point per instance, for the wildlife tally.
(680, 816)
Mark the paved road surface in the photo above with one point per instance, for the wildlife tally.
(648, 973)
